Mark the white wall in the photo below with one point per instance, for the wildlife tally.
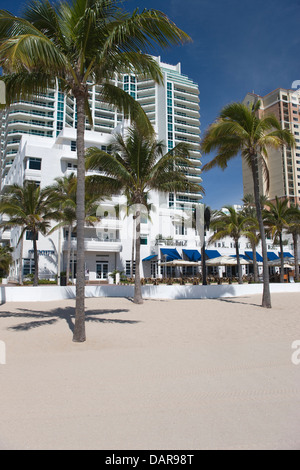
(52, 293)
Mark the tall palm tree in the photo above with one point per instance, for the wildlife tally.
(294, 230)
(72, 42)
(63, 197)
(239, 131)
(232, 224)
(138, 164)
(29, 208)
(277, 217)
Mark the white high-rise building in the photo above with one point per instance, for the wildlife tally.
(38, 143)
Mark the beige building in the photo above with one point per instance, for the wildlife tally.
(283, 163)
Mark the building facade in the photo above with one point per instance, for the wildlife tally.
(284, 162)
(38, 143)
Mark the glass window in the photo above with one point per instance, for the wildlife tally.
(144, 240)
(73, 145)
(128, 268)
(28, 266)
(34, 163)
(29, 235)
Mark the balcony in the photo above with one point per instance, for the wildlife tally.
(97, 245)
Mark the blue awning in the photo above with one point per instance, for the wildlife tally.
(241, 256)
(193, 255)
(272, 256)
(149, 258)
(249, 255)
(286, 254)
(170, 253)
(211, 254)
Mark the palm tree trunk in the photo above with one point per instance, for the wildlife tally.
(69, 254)
(295, 239)
(21, 260)
(59, 256)
(204, 277)
(138, 299)
(281, 259)
(266, 299)
(36, 261)
(238, 262)
(79, 328)
(255, 266)
(132, 248)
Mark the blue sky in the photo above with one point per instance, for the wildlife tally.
(238, 46)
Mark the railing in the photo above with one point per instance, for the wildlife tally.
(100, 240)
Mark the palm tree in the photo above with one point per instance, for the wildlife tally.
(238, 130)
(5, 259)
(294, 230)
(232, 224)
(71, 43)
(277, 217)
(137, 164)
(29, 208)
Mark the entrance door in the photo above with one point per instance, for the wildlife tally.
(102, 270)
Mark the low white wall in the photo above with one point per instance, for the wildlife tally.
(49, 293)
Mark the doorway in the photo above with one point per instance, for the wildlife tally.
(102, 270)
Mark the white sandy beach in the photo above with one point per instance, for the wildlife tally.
(185, 374)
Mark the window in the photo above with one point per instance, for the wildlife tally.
(73, 146)
(28, 266)
(144, 240)
(72, 166)
(29, 235)
(181, 230)
(128, 268)
(34, 163)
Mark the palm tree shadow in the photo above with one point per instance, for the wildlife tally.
(40, 318)
(237, 301)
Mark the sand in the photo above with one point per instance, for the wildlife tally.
(185, 375)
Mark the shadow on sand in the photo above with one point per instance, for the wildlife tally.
(37, 318)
